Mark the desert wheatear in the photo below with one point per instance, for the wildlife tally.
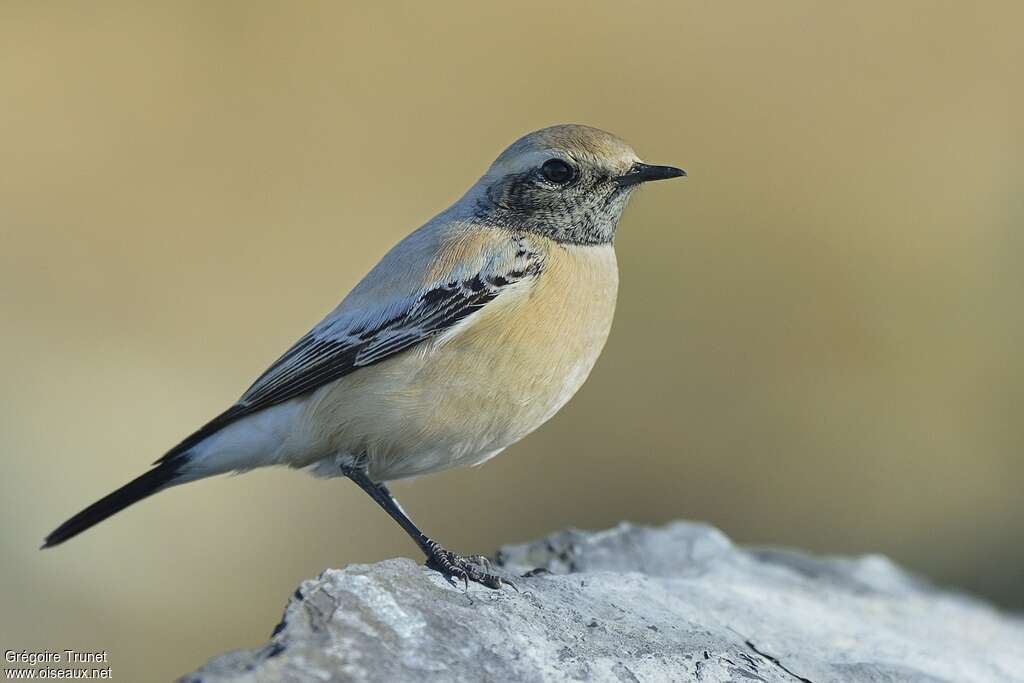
(467, 336)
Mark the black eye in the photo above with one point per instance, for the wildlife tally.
(557, 171)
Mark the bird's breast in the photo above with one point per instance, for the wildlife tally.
(525, 356)
(509, 369)
(530, 353)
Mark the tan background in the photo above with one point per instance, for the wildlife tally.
(819, 332)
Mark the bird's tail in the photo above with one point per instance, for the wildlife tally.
(157, 479)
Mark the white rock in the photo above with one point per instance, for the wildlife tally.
(678, 603)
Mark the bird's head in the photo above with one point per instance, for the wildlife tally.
(569, 182)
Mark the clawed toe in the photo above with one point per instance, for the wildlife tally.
(465, 569)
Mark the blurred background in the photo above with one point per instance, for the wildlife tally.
(818, 338)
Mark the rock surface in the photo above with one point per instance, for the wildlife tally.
(678, 603)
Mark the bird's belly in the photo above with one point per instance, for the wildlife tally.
(462, 399)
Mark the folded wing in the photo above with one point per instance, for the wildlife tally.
(354, 337)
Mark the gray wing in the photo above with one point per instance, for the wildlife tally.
(349, 340)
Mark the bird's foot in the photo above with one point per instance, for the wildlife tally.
(465, 568)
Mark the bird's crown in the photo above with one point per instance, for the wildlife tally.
(582, 144)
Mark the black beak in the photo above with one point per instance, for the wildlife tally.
(642, 173)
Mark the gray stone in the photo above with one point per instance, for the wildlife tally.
(678, 603)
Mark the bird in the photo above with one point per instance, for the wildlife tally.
(470, 333)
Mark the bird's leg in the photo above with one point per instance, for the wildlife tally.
(444, 561)
(475, 559)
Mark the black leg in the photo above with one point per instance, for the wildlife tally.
(444, 561)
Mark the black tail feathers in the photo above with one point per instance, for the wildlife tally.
(149, 483)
